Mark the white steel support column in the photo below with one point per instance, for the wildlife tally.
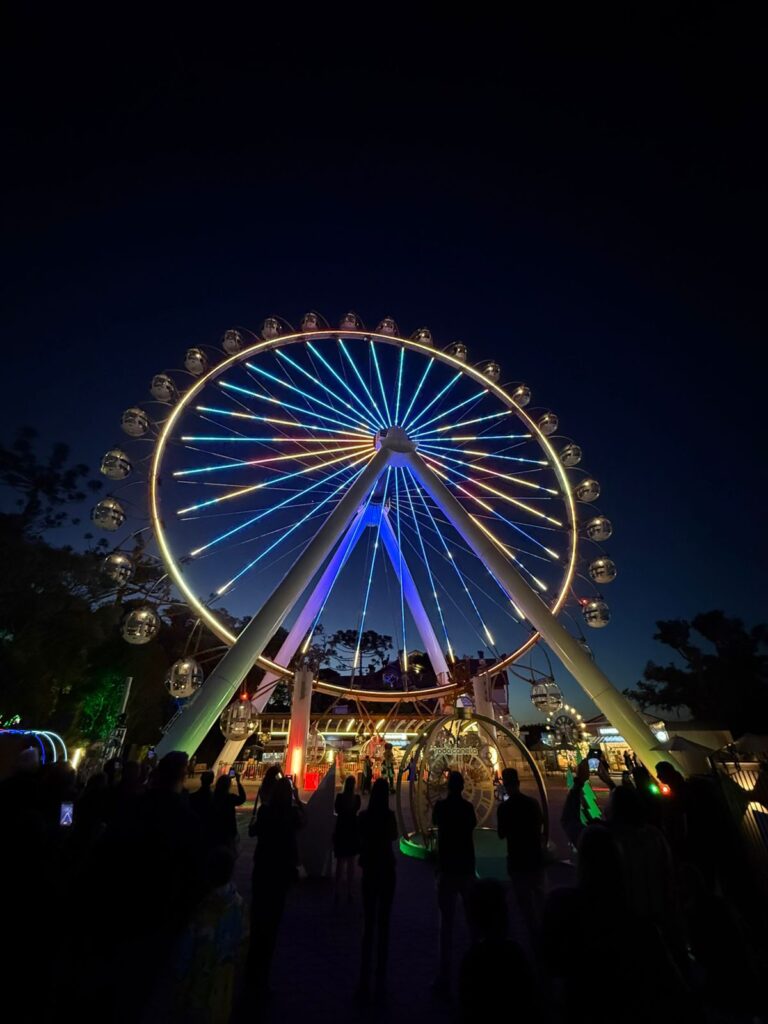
(413, 599)
(189, 730)
(298, 730)
(231, 749)
(614, 705)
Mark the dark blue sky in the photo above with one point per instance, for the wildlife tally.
(583, 201)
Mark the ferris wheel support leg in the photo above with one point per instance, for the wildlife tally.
(413, 598)
(298, 730)
(231, 749)
(597, 686)
(189, 730)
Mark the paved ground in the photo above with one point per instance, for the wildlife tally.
(317, 959)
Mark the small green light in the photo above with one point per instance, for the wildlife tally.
(654, 789)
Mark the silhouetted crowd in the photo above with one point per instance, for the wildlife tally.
(119, 902)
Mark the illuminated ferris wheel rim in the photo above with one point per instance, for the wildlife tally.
(215, 623)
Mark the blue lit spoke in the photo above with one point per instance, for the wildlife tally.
(399, 387)
(347, 405)
(504, 607)
(458, 571)
(273, 508)
(287, 405)
(287, 533)
(356, 658)
(300, 391)
(344, 384)
(359, 376)
(474, 398)
(419, 386)
(400, 553)
(429, 569)
(410, 424)
(381, 382)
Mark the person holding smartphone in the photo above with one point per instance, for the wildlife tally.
(222, 829)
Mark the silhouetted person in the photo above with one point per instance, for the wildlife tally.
(520, 822)
(378, 831)
(346, 841)
(264, 794)
(155, 851)
(222, 822)
(275, 869)
(201, 801)
(493, 956)
(367, 774)
(91, 809)
(210, 949)
(455, 821)
(673, 808)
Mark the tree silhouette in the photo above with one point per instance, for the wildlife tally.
(723, 682)
(44, 485)
(339, 648)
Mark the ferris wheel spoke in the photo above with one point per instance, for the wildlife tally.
(472, 401)
(287, 533)
(419, 386)
(490, 472)
(458, 572)
(227, 386)
(433, 446)
(467, 423)
(428, 567)
(411, 424)
(400, 363)
(477, 627)
(239, 492)
(460, 546)
(347, 405)
(355, 421)
(274, 508)
(400, 551)
(237, 401)
(366, 599)
(316, 428)
(360, 377)
(332, 584)
(440, 469)
(375, 358)
(345, 385)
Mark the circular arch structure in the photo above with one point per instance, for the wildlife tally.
(214, 622)
(477, 746)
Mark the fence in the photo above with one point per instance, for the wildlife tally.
(743, 786)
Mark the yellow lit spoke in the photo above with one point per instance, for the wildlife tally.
(498, 493)
(496, 473)
(240, 491)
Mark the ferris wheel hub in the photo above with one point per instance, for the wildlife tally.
(395, 440)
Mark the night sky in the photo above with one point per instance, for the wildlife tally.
(583, 201)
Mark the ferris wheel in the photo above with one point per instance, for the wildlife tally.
(317, 477)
